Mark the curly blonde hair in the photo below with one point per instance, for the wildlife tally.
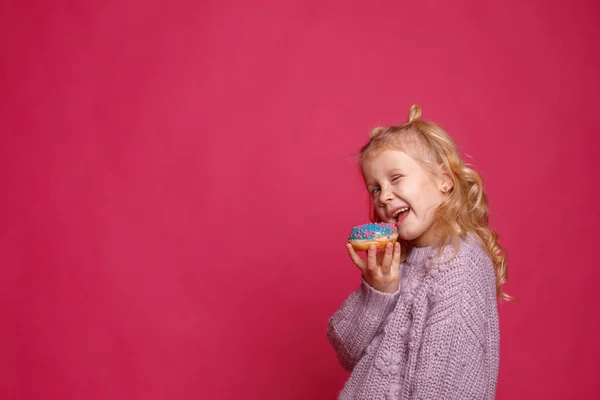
(465, 209)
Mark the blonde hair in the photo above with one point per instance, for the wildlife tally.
(465, 208)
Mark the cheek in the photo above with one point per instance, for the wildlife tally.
(435, 197)
(428, 196)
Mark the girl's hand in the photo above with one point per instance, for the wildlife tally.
(381, 271)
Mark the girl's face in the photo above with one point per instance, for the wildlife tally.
(405, 194)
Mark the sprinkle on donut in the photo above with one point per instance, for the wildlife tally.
(372, 231)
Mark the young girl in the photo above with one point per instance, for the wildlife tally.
(424, 323)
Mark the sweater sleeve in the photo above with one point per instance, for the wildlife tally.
(353, 326)
(458, 355)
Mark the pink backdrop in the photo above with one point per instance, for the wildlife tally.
(165, 165)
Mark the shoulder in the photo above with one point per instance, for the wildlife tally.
(463, 274)
(468, 259)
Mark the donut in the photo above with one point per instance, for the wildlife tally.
(379, 234)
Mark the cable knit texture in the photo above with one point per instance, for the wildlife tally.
(437, 337)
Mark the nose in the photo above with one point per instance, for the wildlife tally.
(386, 195)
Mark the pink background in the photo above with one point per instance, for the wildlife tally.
(177, 185)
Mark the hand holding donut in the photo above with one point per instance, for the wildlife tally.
(381, 271)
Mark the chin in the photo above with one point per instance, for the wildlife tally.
(408, 236)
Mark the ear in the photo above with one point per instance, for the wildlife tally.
(445, 182)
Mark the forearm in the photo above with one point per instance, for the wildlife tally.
(353, 326)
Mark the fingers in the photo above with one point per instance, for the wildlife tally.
(386, 263)
(377, 263)
(359, 262)
(372, 258)
(396, 257)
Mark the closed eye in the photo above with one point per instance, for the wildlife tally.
(396, 177)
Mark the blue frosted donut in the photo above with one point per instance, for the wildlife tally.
(378, 234)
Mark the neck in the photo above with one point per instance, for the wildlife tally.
(419, 255)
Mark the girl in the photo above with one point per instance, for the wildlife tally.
(424, 323)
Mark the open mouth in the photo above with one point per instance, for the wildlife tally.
(400, 213)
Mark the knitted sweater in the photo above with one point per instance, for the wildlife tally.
(437, 337)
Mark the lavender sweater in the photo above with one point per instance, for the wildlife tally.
(437, 337)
